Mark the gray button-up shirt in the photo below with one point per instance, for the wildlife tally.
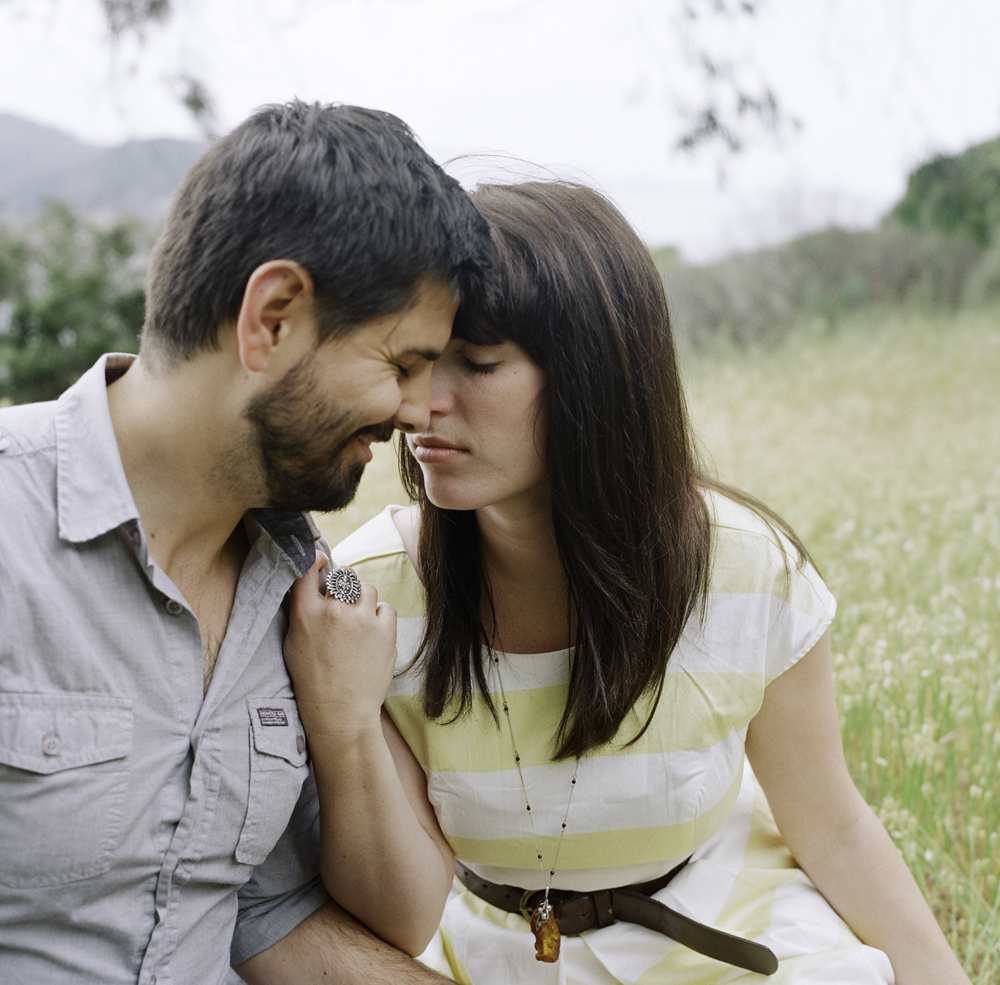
(133, 807)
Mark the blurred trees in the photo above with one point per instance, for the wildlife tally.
(759, 296)
(124, 16)
(959, 196)
(938, 248)
(70, 290)
(956, 194)
(732, 111)
(135, 17)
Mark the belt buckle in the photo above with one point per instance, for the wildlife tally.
(526, 906)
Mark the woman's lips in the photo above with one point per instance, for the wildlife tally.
(429, 450)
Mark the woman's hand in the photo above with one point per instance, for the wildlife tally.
(794, 747)
(382, 854)
(340, 656)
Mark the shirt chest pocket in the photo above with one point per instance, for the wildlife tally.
(63, 776)
(278, 768)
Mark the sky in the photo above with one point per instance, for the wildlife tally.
(589, 89)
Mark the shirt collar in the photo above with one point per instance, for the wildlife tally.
(93, 494)
(295, 533)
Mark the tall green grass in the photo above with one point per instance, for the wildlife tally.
(880, 443)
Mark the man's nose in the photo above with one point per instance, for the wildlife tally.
(414, 412)
(441, 395)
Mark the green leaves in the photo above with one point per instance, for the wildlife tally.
(124, 16)
(959, 194)
(70, 290)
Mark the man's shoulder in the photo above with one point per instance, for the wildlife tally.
(28, 465)
(26, 428)
(27, 457)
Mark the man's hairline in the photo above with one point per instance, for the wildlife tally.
(157, 351)
(429, 279)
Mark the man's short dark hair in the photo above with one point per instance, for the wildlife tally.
(345, 191)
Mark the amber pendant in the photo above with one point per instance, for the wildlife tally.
(543, 926)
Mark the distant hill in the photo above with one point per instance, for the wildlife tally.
(39, 162)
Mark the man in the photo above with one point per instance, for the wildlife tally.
(151, 754)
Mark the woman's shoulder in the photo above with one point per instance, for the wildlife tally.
(750, 555)
(737, 524)
(377, 552)
(764, 597)
(379, 537)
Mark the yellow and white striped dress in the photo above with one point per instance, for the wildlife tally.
(683, 789)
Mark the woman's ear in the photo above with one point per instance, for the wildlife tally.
(276, 321)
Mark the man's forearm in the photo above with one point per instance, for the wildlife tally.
(332, 948)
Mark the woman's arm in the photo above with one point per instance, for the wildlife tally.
(382, 854)
(794, 746)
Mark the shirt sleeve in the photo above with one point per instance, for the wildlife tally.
(286, 887)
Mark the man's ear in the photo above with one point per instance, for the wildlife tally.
(276, 320)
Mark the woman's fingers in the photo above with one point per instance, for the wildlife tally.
(340, 653)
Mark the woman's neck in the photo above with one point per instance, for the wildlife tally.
(522, 566)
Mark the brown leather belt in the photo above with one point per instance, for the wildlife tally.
(577, 912)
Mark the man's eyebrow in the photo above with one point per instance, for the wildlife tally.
(429, 354)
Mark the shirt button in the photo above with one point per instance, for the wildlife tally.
(174, 607)
(152, 980)
(51, 745)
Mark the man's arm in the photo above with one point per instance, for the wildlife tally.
(332, 947)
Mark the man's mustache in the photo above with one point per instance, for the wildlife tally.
(378, 432)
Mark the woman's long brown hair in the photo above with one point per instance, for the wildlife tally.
(578, 291)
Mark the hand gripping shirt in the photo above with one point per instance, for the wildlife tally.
(134, 807)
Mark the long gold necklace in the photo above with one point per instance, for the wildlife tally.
(543, 918)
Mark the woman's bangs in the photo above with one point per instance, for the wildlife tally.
(472, 328)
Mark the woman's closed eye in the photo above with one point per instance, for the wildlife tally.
(483, 368)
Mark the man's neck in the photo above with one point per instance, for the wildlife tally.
(174, 428)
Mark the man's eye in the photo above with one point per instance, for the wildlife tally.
(403, 371)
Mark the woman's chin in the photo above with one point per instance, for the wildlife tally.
(450, 503)
(445, 498)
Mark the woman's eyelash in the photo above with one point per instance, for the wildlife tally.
(480, 367)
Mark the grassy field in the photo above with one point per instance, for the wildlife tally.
(880, 443)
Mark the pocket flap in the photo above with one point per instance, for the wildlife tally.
(277, 729)
(46, 733)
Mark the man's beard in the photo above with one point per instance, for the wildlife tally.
(301, 440)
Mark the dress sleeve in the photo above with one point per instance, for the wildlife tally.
(802, 609)
(771, 606)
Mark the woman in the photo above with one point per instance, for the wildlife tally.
(594, 640)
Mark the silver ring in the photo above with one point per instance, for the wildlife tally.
(343, 584)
